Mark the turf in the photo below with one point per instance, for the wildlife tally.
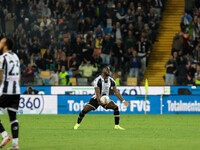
(150, 132)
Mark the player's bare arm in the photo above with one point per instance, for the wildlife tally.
(126, 103)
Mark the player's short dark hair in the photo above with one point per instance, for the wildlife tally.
(106, 66)
(9, 43)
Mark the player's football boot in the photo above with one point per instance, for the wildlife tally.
(117, 127)
(5, 141)
(76, 126)
(13, 148)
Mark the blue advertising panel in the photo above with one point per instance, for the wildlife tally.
(177, 104)
(73, 104)
(42, 89)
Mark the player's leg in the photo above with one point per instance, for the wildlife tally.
(14, 127)
(92, 105)
(12, 112)
(5, 136)
(114, 107)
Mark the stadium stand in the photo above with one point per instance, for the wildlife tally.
(59, 29)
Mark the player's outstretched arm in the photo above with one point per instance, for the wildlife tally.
(126, 103)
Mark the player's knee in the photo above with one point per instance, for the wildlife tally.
(82, 114)
(12, 116)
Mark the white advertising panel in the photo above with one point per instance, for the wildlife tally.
(38, 104)
(124, 90)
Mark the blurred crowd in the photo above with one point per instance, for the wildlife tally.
(183, 66)
(80, 36)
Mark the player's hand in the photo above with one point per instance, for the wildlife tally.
(126, 103)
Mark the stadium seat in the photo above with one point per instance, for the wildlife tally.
(132, 81)
(45, 74)
(82, 81)
(42, 51)
(73, 80)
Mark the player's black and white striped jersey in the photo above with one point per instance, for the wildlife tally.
(9, 63)
(104, 84)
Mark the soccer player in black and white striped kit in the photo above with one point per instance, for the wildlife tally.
(9, 90)
(102, 85)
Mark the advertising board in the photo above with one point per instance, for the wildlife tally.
(73, 104)
(38, 104)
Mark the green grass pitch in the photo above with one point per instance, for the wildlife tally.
(150, 132)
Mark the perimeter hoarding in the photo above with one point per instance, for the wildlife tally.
(38, 104)
(181, 104)
(73, 104)
(124, 90)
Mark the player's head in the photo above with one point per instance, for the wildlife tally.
(106, 71)
(6, 43)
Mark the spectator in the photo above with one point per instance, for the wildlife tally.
(35, 48)
(106, 49)
(117, 53)
(39, 79)
(26, 25)
(66, 46)
(20, 31)
(40, 63)
(88, 69)
(196, 54)
(77, 47)
(58, 56)
(63, 62)
(171, 67)
(117, 31)
(139, 25)
(157, 5)
(185, 20)
(64, 77)
(36, 32)
(45, 23)
(48, 57)
(53, 78)
(73, 63)
(22, 55)
(99, 32)
(9, 24)
(98, 42)
(96, 59)
(46, 12)
(29, 71)
(130, 40)
(135, 64)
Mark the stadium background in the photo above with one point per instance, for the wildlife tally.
(136, 39)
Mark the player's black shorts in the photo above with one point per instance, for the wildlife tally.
(93, 103)
(11, 102)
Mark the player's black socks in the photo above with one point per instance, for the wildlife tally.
(15, 128)
(116, 114)
(81, 115)
(1, 127)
